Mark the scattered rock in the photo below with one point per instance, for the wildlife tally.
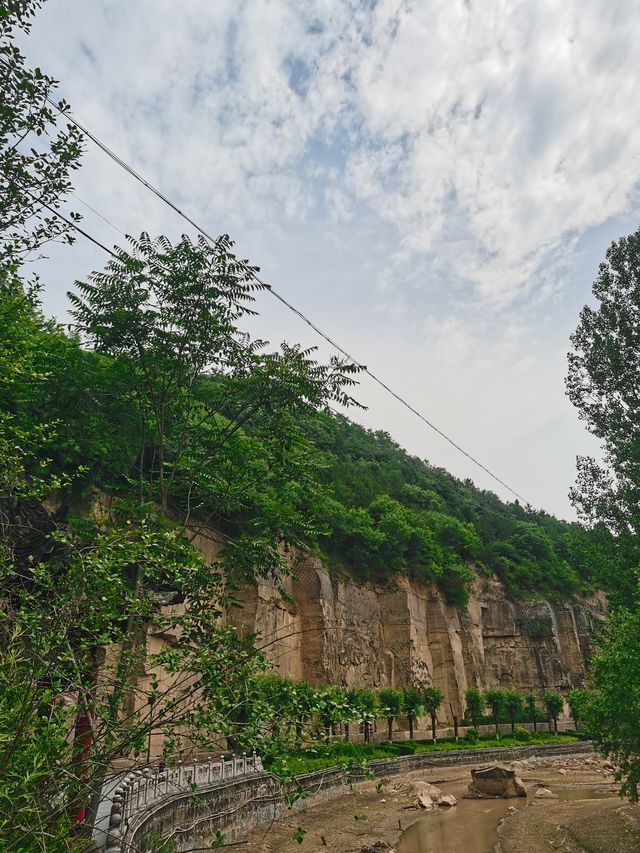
(496, 781)
(378, 847)
(562, 771)
(545, 794)
(427, 794)
(425, 801)
(447, 800)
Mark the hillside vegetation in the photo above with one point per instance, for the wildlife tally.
(313, 477)
(387, 512)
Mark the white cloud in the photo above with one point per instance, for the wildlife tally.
(412, 172)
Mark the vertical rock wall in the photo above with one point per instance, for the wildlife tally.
(329, 630)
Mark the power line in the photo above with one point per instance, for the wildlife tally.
(88, 236)
(147, 184)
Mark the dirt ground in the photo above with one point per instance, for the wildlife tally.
(371, 817)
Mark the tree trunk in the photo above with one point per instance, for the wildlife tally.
(555, 725)
(390, 728)
(346, 731)
(513, 726)
(366, 731)
(433, 727)
(535, 722)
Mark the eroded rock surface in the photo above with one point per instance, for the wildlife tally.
(334, 630)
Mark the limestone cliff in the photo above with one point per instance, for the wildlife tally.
(336, 630)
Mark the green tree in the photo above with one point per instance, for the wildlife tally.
(171, 314)
(578, 700)
(601, 383)
(369, 708)
(333, 707)
(474, 705)
(37, 156)
(494, 699)
(513, 703)
(532, 710)
(554, 704)
(612, 706)
(390, 702)
(412, 703)
(432, 699)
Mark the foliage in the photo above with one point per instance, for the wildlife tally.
(602, 384)
(513, 704)
(530, 701)
(390, 701)
(495, 700)
(521, 734)
(474, 705)
(472, 735)
(611, 709)
(36, 156)
(432, 698)
(412, 701)
(389, 513)
(554, 704)
(578, 700)
(349, 754)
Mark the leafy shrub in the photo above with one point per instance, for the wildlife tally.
(521, 734)
(472, 735)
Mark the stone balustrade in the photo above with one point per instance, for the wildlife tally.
(144, 789)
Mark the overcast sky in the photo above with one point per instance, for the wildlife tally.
(433, 182)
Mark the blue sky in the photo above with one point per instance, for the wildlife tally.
(433, 182)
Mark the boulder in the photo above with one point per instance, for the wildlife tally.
(425, 801)
(447, 800)
(426, 789)
(545, 794)
(496, 781)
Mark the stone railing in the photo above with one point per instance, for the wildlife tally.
(191, 803)
(142, 790)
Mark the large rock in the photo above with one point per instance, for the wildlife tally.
(545, 794)
(496, 781)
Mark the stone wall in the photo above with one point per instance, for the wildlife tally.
(234, 808)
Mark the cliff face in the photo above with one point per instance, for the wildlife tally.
(326, 630)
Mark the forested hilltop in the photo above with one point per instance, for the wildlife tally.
(387, 512)
(306, 475)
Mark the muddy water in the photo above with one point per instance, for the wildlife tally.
(584, 793)
(472, 825)
(469, 827)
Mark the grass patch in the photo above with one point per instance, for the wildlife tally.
(321, 755)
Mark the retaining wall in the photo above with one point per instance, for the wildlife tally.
(234, 808)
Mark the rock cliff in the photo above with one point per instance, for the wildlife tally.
(325, 629)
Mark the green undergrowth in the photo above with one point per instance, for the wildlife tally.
(348, 754)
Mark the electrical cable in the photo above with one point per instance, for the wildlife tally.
(131, 171)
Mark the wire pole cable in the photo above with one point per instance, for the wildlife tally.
(148, 185)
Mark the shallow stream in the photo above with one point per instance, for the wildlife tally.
(472, 825)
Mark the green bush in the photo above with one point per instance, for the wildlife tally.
(472, 735)
(521, 734)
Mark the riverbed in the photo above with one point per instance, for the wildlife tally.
(383, 815)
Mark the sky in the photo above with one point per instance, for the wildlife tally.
(433, 182)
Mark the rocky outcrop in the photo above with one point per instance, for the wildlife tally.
(327, 629)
